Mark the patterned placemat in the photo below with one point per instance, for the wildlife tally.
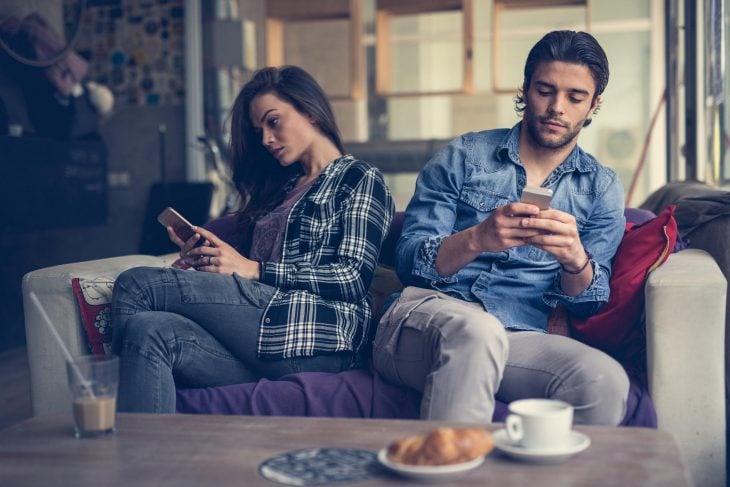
(321, 466)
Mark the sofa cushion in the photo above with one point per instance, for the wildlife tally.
(558, 322)
(358, 393)
(354, 393)
(617, 328)
(94, 296)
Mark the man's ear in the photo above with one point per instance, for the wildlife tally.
(596, 104)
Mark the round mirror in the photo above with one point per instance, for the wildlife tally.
(40, 32)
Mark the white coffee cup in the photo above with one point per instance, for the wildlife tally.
(539, 424)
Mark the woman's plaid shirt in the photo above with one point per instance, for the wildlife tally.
(331, 247)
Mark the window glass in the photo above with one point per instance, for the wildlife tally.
(620, 10)
(310, 44)
(430, 45)
(617, 135)
(425, 49)
(426, 56)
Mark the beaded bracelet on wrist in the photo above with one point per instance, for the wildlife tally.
(588, 261)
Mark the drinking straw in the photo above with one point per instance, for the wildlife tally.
(84, 383)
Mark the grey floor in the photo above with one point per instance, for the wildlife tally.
(14, 387)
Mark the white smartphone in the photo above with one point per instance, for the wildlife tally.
(171, 218)
(540, 197)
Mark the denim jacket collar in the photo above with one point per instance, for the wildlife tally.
(576, 160)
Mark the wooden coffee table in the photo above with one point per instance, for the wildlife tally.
(186, 450)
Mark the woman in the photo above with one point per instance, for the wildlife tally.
(292, 295)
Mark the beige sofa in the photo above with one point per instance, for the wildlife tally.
(685, 307)
(703, 220)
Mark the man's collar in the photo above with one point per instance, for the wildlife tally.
(509, 146)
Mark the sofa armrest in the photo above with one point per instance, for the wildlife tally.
(685, 327)
(52, 286)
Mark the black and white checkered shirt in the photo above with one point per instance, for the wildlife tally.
(331, 247)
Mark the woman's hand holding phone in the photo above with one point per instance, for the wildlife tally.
(219, 257)
(183, 230)
(203, 250)
(193, 241)
(180, 231)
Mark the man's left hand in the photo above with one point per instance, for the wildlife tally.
(558, 236)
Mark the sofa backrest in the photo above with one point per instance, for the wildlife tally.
(387, 252)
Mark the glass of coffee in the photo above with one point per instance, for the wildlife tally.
(93, 380)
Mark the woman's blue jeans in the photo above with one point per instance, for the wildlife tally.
(193, 329)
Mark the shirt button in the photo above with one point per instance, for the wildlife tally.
(267, 320)
(481, 205)
(433, 283)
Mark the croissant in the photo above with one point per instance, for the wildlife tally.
(442, 446)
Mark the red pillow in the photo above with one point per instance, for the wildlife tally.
(617, 328)
(94, 297)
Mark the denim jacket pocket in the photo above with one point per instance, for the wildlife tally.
(475, 206)
(538, 255)
(482, 201)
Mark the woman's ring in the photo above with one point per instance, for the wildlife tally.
(209, 260)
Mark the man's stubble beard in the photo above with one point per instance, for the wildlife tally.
(533, 129)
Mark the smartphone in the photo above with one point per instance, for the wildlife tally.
(171, 218)
(539, 197)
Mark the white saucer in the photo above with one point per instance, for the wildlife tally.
(576, 443)
(431, 473)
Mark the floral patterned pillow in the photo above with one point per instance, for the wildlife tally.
(94, 297)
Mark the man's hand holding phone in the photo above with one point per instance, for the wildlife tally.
(534, 196)
(540, 197)
(558, 231)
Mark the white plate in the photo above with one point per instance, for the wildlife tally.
(431, 473)
(576, 444)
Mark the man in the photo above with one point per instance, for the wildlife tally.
(484, 271)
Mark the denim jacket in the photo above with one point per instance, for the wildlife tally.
(480, 172)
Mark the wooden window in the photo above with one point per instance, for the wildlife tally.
(279, 13)
(387, 9)
(499, 7)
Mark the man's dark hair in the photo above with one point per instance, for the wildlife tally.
(570, 47)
